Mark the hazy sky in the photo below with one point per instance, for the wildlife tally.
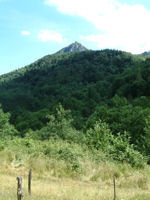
(30, 29)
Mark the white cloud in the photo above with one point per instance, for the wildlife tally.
(25, 33)
(49, 35)
(120, 25)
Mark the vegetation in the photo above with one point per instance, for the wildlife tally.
(70, 96)
(79, 81)
(64, 170)
(71, 115)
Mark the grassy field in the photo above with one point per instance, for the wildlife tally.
(67, 172)
(131, 185)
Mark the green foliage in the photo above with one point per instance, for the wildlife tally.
(147, 137)
(121, 150)
(70, 155)
(99, 135)
(52, 155)
(79, 81)
(58, 127)
(118, 147)
(6, 129)
(124, 117)
(62, 97)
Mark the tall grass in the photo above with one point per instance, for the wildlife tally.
(67, 171)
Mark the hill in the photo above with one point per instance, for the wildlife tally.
(144, 55)
(107, 86)
(78, 80)
(81, 117)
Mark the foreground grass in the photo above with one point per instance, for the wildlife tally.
(46, 187)
(63, 171)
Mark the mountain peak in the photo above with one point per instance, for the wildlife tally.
(76, 46)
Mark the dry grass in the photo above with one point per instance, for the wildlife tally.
(98, 185)
(54, 179)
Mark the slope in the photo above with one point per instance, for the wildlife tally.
(78, 80)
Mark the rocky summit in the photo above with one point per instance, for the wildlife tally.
(72, 48)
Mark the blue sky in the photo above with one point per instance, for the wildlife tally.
(31, 29)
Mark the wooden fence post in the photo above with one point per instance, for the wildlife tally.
(29, 181)
(19, 188)
(115, 196)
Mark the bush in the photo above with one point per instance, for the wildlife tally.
(117, 147)
(58, 127)
(99, 135)
(121, 150)
(6, 129)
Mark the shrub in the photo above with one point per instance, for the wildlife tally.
(117, 147)
(58, 127)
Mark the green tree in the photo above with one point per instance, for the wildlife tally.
(117, 147)
(6, 129)
(99, 135)
(58, 127)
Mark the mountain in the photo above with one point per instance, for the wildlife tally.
(144, 55)
(80, 81)
(83, 96)
(74, 47)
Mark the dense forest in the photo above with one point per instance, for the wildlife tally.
(99, 98)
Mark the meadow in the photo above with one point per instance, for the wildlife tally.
(67, 171)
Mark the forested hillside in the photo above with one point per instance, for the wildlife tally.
(79, 81)
(144, 55)
(100, 98)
